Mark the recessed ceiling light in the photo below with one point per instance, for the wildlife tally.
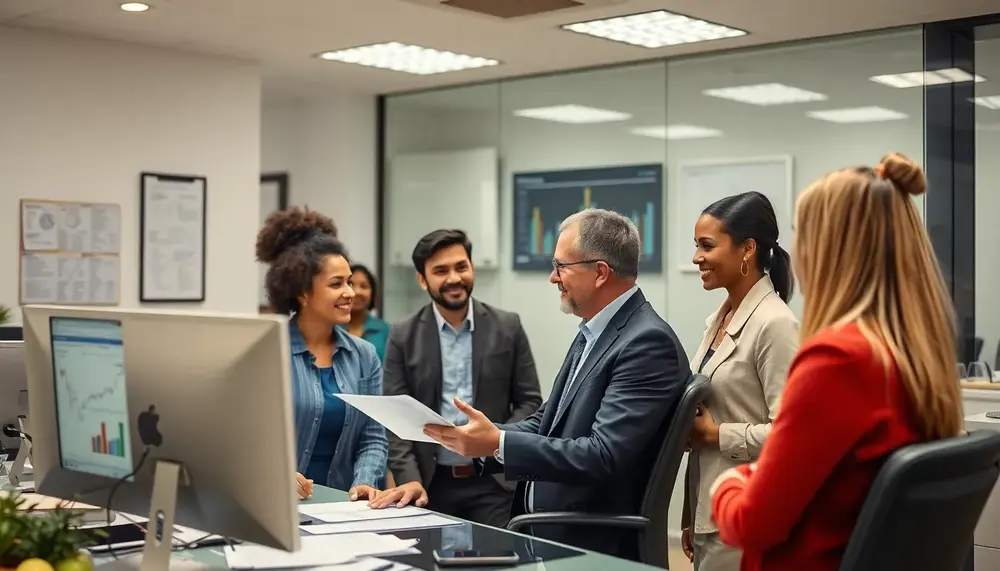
(858, 115)
(765, 94)
(921, 78)
(989, 102)
(654, 29)
(408, 58)
(675, 132)
(135, 7)
(573, 114)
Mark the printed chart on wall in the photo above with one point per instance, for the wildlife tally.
(543, 199)
(91, 402)
(70, 252)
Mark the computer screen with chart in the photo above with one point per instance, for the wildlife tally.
(88, 366)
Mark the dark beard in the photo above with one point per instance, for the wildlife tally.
(441, 300)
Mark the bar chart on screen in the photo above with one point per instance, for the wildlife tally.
(89, 366)
(542, 200)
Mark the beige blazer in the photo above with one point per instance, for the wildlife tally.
(747, 374)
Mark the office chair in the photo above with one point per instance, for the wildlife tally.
(923, 507)
(651, 521)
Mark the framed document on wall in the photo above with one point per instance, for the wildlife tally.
(172, 227)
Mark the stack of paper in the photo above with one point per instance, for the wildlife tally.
(336, 512)
(318, 550)
(350, 517)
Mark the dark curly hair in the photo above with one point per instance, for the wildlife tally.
(295, 242)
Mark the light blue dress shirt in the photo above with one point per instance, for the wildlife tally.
(456, 375)
(591, 331)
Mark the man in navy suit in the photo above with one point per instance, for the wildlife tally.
(592, 446)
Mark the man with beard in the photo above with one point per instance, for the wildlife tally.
(456, 347)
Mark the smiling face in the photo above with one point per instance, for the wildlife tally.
(718, 258)
(577, 282)
(362, 291)
(331, 296)
(448, 277)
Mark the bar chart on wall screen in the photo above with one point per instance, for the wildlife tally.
(542, 200)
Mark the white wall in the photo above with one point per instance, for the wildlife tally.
(80, 119)
(655, 94)
(327, 146)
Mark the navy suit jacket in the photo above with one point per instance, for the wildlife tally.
(597, 454)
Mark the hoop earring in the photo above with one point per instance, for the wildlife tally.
(744, 269)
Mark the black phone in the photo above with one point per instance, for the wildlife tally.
(994, 414)
(120, 536)
(466, 557)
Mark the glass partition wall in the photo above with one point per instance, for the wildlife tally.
(507, 160)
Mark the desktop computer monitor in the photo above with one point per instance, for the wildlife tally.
(202, 401)
(13, 389)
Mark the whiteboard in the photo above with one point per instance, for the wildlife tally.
(702, 183)
(449, 189)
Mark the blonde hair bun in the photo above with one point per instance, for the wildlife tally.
(906, 173)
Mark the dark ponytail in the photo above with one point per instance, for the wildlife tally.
(780, 270)
(750, 216)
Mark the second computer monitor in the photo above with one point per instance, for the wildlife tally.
(209, 392)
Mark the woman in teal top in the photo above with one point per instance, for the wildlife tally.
(309, 278)
(363, 324)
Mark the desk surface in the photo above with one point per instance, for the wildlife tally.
(554, 557)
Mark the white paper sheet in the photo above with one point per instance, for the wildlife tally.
(317, 550)
(404, 415)
(382, 525)
(336, 512)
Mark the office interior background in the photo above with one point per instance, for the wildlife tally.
(92, 96)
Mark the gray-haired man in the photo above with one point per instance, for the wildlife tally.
(591, 447)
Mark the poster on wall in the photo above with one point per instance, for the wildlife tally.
(543, 199)
(172, 227)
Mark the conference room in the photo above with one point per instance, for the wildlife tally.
(104, 108)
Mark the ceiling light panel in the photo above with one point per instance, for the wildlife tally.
(676, 132)
(766, 94)
(576, 114)
(135, 7)
(654, 29)
(921, 78)
(991, 102)
(407, 58)
(858, 115)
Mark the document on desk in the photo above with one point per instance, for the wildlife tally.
(318, 551)
(337, 512)
(403, 415)
(426, 521)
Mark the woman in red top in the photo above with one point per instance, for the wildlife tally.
(876, 371)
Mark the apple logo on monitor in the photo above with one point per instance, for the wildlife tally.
(149, 432)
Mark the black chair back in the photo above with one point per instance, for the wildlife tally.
(11, 333)
(653, 548)
(922, 509)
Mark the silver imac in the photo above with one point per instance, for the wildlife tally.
(201, 401)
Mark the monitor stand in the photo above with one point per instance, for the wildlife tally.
(155, 555)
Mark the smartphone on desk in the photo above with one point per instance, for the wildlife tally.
(469, 557)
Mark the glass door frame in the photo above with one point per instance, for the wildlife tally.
(950, 163)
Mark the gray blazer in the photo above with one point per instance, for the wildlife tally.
(748, 373)
(504, 380)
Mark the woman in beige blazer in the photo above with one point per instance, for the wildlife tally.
(748, 346)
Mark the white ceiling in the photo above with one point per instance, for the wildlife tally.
(282, 35)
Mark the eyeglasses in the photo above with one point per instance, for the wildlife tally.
(557, 265)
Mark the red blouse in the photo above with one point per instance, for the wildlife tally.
(840, 417)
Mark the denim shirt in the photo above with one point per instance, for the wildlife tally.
(363, 448)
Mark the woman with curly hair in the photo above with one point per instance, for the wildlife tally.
(309, 278)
